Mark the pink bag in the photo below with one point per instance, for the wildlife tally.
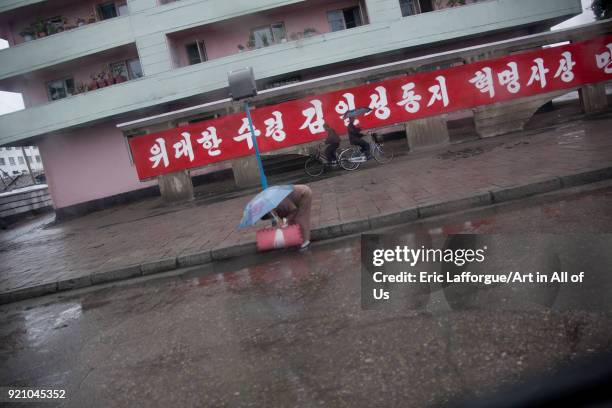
(275, 238)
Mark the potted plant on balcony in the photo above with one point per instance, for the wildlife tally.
(106, 77)
(100, 80)
(79, 88)
(51, 29)
(92, 18)
(41, 29)
(28, 33)
(64, 26)
(93, 84)
(240, 48)
(309, 32)
(80, 22)
(118, 76)
(251, 42)
(68, 26)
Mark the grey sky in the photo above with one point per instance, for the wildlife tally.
(10, 102)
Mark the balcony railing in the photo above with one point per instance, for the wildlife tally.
(112, 74)
(56, 22)
(189, 47)
(412, 7)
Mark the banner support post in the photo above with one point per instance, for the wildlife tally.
(262, 175)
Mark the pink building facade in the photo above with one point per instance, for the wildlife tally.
(223, 39)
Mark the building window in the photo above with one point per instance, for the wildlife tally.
(60, 88)
(111, 9)
(106, 11)
(20, 158)
(12, 161)
(196, 52)
(268, 35)
(411, 7)
(345, 18)
(54, 25)
(129, 69)
(134, 68)
(2, 161)
(29, 159)
(38, 159)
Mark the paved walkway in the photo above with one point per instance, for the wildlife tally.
(33, 254)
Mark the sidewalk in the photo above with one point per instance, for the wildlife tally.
(150, 236)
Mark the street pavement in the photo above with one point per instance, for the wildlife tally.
(39, 252)
(287, 329)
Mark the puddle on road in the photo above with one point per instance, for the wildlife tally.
(33, 327)
(571, 137)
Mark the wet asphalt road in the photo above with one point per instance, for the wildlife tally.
(287, 329)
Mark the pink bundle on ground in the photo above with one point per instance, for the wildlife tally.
(276, 238)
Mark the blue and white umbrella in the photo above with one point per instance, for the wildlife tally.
(356, 112)
(263, 203)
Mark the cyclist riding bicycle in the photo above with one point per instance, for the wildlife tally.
(355, 138)
(333, 142)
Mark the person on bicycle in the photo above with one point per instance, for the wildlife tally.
(333, 142)
(355, 137)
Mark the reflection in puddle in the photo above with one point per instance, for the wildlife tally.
(40, 323)
(572, 137)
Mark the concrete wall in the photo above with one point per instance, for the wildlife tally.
(14, 4)
(88, 164)
(18, 203)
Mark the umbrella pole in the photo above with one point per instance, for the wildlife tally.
(262, 175)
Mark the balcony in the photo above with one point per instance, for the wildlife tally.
(76, 77)
(63, 30)
(47, 18)
(172, 16)
(413, 7)
(282, 25)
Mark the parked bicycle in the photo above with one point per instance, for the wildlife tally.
(351, 158)
(317, 163)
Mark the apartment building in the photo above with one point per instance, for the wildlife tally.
(83, 66)
(13, 161)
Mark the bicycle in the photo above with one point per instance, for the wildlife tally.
(317, 162)
(351, 158)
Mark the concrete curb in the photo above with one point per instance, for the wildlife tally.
(478, 199)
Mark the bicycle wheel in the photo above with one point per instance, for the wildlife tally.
(345, 157)
(314, 167)
(381, 154)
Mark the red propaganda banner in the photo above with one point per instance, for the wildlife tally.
(399, 99)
